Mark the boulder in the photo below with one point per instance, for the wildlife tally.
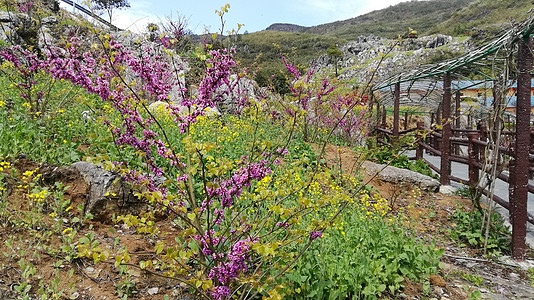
(398, 175)
(240, 91)
(50, 20)
(45, 37)
(108, 193)
(447, 190)
(7, 17)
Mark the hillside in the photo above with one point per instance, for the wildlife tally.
(452, 17)
(261, 52)
(489, 15)
(394, 20)
(305, 44)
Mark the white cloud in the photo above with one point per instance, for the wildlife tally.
(136, 17)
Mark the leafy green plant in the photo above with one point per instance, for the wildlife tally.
(362, 256)
(421, 167)
(28, 270)
(473, 278)
(469, 230)
(475, 295)
(51, 290)
(125, 289)
(88, 246)
(530, 276)
(387, 155)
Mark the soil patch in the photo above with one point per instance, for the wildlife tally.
(27, 247)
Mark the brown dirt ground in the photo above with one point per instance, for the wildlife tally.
(428, 213)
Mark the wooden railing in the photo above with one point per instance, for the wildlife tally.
(91, 14)
(476, 142)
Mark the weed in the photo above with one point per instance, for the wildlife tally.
(475, 295)
(530, 276)
(361, 256)
(125, 289)
(473, 278)
(469, 230)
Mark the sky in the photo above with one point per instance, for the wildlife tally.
(256, 15)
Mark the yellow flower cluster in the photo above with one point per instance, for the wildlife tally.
(68, 232)
(263, 183)
(28, 174)
(5, 166)
(161, 111)
(40, 196)
(207, 128)
(315, 189)
(27, 177)
(416, 194)
(375, 206)
(338, 226)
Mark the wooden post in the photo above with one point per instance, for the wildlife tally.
(437, 140)
(518, 204)
(431, 138)
(419, 149)
(384, 117)
(445, 170)
(483, 137)
(474, 154)
(406, 116)
(457, 123)
(469, 121)
(377, 114)
(396, 106)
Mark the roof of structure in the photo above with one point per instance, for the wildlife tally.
(423, 86)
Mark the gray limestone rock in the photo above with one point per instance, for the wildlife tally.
(108, 193)
(49, 20)
(447, 190)
(7, 17)
(398, 175)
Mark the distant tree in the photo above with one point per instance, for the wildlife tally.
(174, 33)
(110, 6)
(334, 53)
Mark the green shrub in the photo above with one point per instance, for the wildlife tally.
(384, 155)
(361, 257)
(469, 231)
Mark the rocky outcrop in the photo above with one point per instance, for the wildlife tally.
(364, 57)
(241, 90)
(21, 29)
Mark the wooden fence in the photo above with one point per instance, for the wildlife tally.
(446, 142)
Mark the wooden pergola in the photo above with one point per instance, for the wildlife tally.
(498, 55)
